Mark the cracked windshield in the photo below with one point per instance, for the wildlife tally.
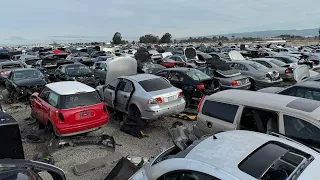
(160, 90)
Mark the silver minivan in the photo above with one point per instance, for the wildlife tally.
(294, 117)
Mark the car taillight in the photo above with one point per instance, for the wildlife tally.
(180, 94)
(200, 86)
(60, 116)
(234, 83)
(200, 103)
(171, 64)
(288, 71)
(4, 73)
(157, 100)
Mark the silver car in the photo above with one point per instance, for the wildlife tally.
(259, 75)
(144, 95)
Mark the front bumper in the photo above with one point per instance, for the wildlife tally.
(156, 112)
(268, 83)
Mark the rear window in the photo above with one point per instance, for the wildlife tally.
(155, 84)
(222, 111)
(79, 100)
(197, 75)
(11, 66)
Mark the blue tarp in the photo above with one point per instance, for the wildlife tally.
(4, 51)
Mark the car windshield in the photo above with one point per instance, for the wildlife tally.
(258, 66)
(78, 70)
(197, 75)
(27, 74)
(79, 100)
(278, 63)
(155, 84)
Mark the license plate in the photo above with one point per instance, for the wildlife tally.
(85, 114)
(171, 98)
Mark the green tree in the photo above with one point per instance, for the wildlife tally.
(117, 39)
(149, 38)
(166, 38)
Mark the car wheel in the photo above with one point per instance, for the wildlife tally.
(187, 98)
(49, 127)
(253, 84)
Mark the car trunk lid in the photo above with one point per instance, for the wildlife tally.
(82, 114)
(169, 95)
(301, 72)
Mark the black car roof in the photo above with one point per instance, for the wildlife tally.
(309, 84)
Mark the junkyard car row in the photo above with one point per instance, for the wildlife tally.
(239, 133)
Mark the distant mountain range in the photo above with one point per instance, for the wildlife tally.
(268, 33)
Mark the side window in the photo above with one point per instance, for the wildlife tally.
(162, 74)
(260, 120)
(125, 86)
(102, 65)
(245, 68)
(187, 175)
(173, 58)
(44, 94)
(53, 99)
(113, 84)
(222, 111)
(300, 129)
(290, 91)
(97, 65)
(238, 66)
(174, 76)
(63, 70)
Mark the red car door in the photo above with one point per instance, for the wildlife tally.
(49, 107)
(37, 102)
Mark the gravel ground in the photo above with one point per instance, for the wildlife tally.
(151, 146)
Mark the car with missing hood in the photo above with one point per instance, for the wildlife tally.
(68, 108)
(235, 155)
(7, 66)
(259, 75)
(21, 83)
(77, 72)
(297, 73)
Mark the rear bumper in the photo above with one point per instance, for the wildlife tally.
(269, 83)
(164, 111)
(244, 87)
(69, 130)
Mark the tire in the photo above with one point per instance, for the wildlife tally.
(253, 84)
(134, 111)
(187, 98)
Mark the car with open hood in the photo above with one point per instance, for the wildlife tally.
(68, 108)
(76, 72)
(145, 96)
(287, 72)
(21, 83)
(259, 75)
(235, 155)
(194, 83)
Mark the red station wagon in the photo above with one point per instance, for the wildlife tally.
(68, 108)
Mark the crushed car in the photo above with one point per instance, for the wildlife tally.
(77, 72)
(7, 66)
(21, 83)
(68, 108)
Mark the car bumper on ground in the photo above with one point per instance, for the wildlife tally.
(70, 130)
(268, 83)
(156, 112)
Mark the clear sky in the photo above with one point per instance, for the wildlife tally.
(24, 21)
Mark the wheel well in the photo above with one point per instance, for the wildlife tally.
(251, 79)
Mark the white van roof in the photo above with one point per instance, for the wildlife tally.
(295, 105)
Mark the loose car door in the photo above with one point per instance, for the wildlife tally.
(49, 106)
(109, 93)
(123, 94)
(38, 104)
